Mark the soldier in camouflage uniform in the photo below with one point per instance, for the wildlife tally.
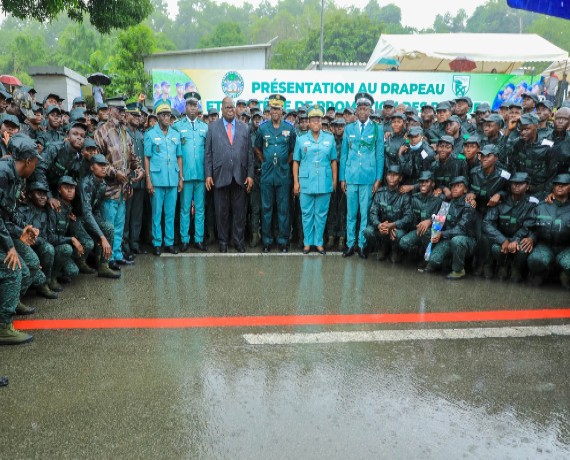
(34, 213)
(447, 167)
(336, 219)
(390, 217)
(60, 235)
(15, 275)
(54, 131)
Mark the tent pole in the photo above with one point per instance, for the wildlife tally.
(437, 66)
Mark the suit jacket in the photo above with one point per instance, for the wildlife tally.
(224, 161)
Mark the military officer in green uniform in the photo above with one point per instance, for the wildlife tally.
(447, 167)
(164, 176)
(550, 232)
(389, 218)
(91, 195)
(274, 149)
(395, 140)
(54, 130)
(424, 204)
(507, 226)
(488, 187)
(15, 276)
(361, 170)
(457, 237)
(192, 142)
(135, 204)
(34, 213)
(60, 235)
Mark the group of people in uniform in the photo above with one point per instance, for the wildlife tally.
(487, 192)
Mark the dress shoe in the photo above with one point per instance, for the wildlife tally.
(283, 248)
(124, 262)
(129, 256)
(362, 252)
(306, 249)
(184, 247)
(223, 247)
(200, 246)
(348, 252)
(139, 251)
(171, 249)
(156, 250)
(267, 249)
(321, 250)
(240, 248)
(114, 266)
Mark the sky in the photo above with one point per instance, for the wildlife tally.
(415, 13)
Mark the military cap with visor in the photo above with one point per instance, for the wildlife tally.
(68, 180)
(415, 131)
(38, 185)
(459, 180)
(23, 147)
(528, 119)
(24, 101)
(316, 111)
(192, 96)
(446, 139)
(162, 105)
(10, 119)
(530, 95)
(519, 178)
(99, 159)
(562, 179)
(276, 101)
(489, 149)
(395, 169)
(364, 99)
(425, 175)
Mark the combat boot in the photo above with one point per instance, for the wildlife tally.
(330, 242)
(254, 240)
(341, 243)
(503, 272)
(23, 309)
(84, 268)
(44, 291)
(10, 336)
(395, 256)
(106, 272)
(516, 276)
(565, 280)
(488, 271)
(54, 285)
(381, 254)
(456, 275)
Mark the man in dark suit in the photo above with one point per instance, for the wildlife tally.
(228, 166)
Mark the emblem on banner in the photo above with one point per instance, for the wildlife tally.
(232, 84)
(461, 85)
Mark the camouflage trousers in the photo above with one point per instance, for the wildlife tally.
(88, 242)
(459, 247)
(375, 240)
(10, 288)
(46, 254)
(517, 260)
(543, 257)
(77, 230)
(411, 241)
(63, 264)
(32, 275)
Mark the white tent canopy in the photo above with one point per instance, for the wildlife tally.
(560, 67)
(434, 52)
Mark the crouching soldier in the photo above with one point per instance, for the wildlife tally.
(60, 235)
(551, 234)
(389, 218)
(424, 204)
(91, 195)
(457, 237)
(507, 226)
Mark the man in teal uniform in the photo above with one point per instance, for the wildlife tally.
(550, 232)
(192, 139)
(361, 168)
(274, 149)
(507, 226)
(14, 274)
(424, 204)
(163, 166)
(389, 218)
(458, 235)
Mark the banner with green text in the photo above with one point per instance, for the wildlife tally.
(338, 88)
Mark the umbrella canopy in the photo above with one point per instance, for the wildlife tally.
(462, 64)
(99, 79)
(10, 80)
(389, 61)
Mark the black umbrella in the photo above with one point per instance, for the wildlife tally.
(99, 79)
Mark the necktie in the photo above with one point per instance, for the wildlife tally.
(192, 125)
(361, 128)
(230, 135)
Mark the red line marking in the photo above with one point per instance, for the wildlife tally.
(292, 320)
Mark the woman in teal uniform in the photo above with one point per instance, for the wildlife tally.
(314, 178)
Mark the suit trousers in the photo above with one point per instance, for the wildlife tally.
(230, 199)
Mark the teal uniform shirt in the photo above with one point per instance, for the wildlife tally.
(362, 154)
(314, 157)
(275, 144)
(192, 142)
(163, 151)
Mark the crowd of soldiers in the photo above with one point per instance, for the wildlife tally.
(77, 188)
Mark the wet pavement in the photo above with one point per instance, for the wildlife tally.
(207, 393)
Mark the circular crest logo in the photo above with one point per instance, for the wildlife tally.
(232, 84)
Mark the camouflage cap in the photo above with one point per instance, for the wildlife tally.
(561, 179)
(519, 178)
(529, 119)
(99, 159)
(394, 169)
(12, 119)
(89, 143)
(425, 175)
(23, 147)
(24, 100)
(489, 149)
(459, 180)
(66, 180)
(415, 131)
(38, 185)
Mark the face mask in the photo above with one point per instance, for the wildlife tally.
(416, 147)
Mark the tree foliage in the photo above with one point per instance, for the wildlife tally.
(225, 34)
(104, 15)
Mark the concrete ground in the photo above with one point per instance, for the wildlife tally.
(202, 390)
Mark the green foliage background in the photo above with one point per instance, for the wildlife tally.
(115, 40)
